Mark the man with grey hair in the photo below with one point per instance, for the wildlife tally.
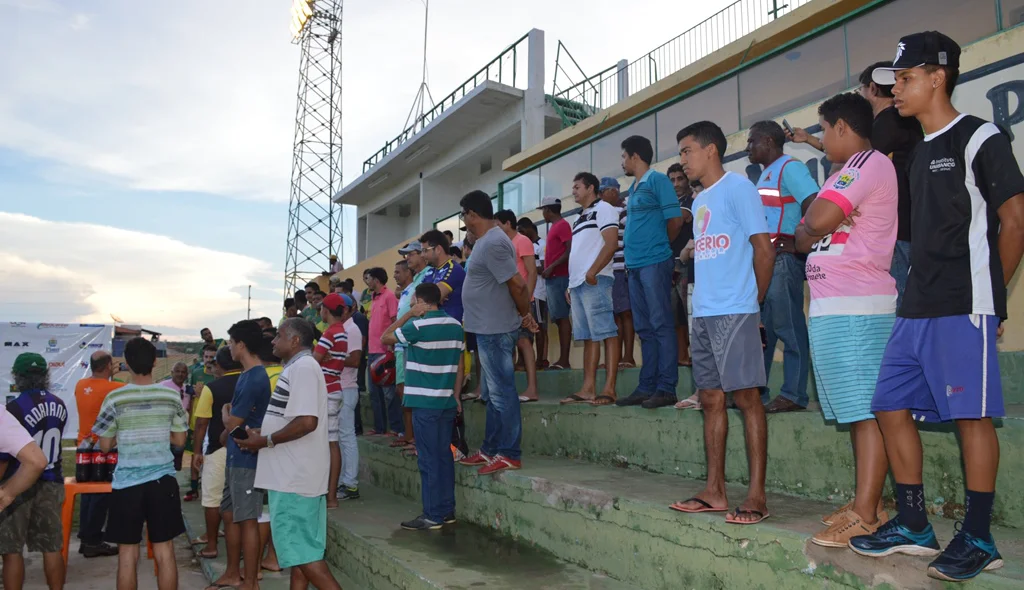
(294, 461)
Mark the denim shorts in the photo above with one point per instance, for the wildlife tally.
(592, 315)
(620, 293)
(558, 307)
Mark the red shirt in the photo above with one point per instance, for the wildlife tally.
(333, 345)
(558, 240)
(383, 313)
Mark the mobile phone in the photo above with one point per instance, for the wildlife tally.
(239, 433)
(788, 127)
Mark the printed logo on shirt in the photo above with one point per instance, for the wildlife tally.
(702, 219)
(832, 244)
(951, 390)
(848, 177)
(707, 246)
(942, 165)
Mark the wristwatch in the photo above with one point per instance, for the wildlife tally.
(270, 441)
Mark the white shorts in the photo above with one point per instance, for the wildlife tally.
(333, 417)
(213, 478)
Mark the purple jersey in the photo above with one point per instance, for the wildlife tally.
(44, 416)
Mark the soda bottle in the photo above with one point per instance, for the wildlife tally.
(99, 466)
(83, 461)
(111, 464)
(178, 456)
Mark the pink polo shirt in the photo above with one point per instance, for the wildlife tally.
(384, 312)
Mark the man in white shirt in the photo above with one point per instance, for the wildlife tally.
(294, 460)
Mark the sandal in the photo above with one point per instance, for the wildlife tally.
(205, 555)
(704, 507)
(526, 400)
(603, 400)
(731, 518)
(558, 367)
(627, 365)
(466, 397)
(398, 442)
(575, 399)
(689, 404)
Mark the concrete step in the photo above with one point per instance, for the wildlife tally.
(562, 383)
(617, 521)
(806, 456)
(367, 544)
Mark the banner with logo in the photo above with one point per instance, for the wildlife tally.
(66, 348)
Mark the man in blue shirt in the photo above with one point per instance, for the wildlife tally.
(445, 272)
(786, 189)
(654, 220)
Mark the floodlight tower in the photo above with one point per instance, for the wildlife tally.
(314, 220)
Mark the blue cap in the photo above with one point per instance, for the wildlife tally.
(608, 182)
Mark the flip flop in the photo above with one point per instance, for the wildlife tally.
(466, 397)
(688, 404)
(205, 555)
(575, 399)
(526, 400)
(398, 442)
(267, 569)
(557, 367)
(627, 365)
(704, 507)
(219, 586)
(603, 400)
(731, 518)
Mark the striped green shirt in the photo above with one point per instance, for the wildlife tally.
(433, 345)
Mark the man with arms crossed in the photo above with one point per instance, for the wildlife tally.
(138, 418)
(734, 258)
(331, 351)
(853, 299)
(967, 219)
(294, 461)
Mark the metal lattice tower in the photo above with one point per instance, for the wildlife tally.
(314, 220)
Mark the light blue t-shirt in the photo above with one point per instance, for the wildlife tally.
(405, 297)
(784, 185)
(725, 215)
(652, 202)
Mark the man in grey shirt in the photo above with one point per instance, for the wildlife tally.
(497, 303)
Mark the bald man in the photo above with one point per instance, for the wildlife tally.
(89, 395)
(179, 382)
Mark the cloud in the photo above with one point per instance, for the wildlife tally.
(55, 271)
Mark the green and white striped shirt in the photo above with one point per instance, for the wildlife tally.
(433, 346)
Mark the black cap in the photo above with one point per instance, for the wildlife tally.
(919, 49)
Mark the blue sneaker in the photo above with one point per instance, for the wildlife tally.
(965, 557)
(893, 537)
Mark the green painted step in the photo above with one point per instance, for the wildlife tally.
(562, 383)
(616, 521)
(367, 544)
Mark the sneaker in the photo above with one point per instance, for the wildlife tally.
(966, 556)
(450, 519)
(345, 493)
(634, 399)
(830, 519)
(846, 526)
(499, 463)
(97, 550)
(191, 496)
(476, 460)
(421, 523)
(893, 537)
(659, 401)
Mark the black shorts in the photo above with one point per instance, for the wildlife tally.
(155, 503)
(470, 342)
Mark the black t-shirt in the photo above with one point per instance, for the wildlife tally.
(223, 390)
(959, 177)
(896, 137)
(685, 232)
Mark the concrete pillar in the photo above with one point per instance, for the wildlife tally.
(534, 104)
(622, 73)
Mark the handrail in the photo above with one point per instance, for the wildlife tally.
(472, 82)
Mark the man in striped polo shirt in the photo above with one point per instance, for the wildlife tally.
(433, 380)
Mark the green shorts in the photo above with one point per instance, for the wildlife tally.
(299, 527)
(399, 366)
(34, 521)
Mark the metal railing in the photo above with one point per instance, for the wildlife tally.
(725, 26)
(503, 69)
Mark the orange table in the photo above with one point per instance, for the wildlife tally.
(71, 489)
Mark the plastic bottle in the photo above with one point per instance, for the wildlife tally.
(97, 464)
(111, 464)
(83, 461)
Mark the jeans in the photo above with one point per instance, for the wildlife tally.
(650, 290)
(92, 517)
(387, 410)
(347, 438)
(783, 317)
(504, 428)
(592, 316)
(434, 458)
(900, 269)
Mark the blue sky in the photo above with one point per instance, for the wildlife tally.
(145, 147)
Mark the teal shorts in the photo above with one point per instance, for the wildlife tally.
(299, 527)
(847, 351)
(399, 366)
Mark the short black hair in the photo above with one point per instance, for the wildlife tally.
(314, 285)
(210, 347)
(478, 202)
(290, 302)
(527, 223)
(320, 293)
(266, 319)
(852, 108)
(249, 333)
(449, 233)
(771, 130)
(952, 76)
(266, 353)
(435, 238)
(705, 133)
(455, 252)
(378, 273)
(402, 263)
(140, 354)
(865, 79)
(205, 330)
(101, 362)
(300, 297)
(428, 293)
(225, 361)
(588, 179)
(506, 216)
(675, 168)
(639, 145)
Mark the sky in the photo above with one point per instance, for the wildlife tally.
(145, 147)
